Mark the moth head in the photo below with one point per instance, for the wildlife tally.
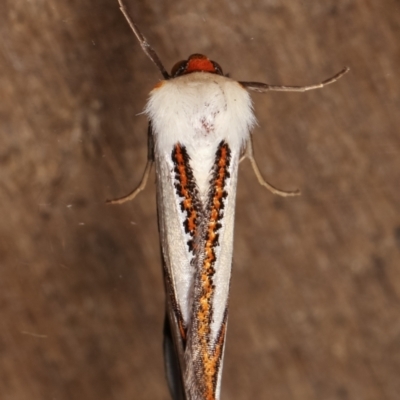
(196, 63)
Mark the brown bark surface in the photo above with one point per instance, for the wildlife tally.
(315, 293)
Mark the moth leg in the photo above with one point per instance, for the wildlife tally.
(136, 191)
(145, 177)
(250, 155)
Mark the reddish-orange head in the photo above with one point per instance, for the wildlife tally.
(196, 63)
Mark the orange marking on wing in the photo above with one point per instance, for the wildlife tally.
(185, 193)
(210, 361)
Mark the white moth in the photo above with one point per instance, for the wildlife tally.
(200, 123)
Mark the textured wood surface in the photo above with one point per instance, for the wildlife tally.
(315, 294)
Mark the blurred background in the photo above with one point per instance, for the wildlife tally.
(315, 292)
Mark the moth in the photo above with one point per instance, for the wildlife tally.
(199, 131)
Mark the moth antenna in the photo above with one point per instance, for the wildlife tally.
(265, 87)
(149, 51)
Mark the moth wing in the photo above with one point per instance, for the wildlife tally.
(207, 330)
(178, 268)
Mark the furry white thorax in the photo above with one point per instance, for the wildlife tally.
(199, 110)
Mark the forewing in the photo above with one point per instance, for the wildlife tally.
(207, 329)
